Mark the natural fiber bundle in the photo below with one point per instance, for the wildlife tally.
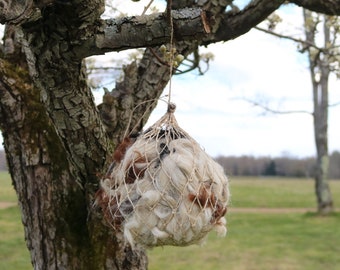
(164, 189)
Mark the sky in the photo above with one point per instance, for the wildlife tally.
(214, 110)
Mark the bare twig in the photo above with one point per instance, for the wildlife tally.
(147, 7)
(303, 42)
(161, 60)
(268, 109)
(334, 104)
(194, 64)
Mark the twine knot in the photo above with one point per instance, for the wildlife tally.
(171, 107)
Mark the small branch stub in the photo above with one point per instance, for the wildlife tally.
(205, 22)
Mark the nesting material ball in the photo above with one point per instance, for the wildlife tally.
(163, 189)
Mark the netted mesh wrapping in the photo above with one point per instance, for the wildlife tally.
(163, 189)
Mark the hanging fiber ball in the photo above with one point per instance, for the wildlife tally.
(163, 189)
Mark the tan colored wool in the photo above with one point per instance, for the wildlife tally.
(165, 190)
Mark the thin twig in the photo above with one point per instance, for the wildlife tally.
(268, 109)
(334, 104)
(147, 7)
(161, 60)
(304, 42)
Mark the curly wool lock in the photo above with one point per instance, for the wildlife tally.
(164, 189)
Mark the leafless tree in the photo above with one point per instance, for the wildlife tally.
(320, 63)
(323, 60)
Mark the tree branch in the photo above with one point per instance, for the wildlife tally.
(17, 11)
(334, 104)
(153, 30)
(235, 24)
(268, 109)
(329, 7)
(144, 31)
(189, 24)
(26, 11)
(303, 42)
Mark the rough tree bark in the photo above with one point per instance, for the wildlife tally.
(57, 142)
(320, 70)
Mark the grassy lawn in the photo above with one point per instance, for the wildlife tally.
(261, 242)
(277, 192)
(255, 241)
(13, 252)
(7, 193)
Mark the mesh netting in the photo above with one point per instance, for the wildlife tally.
(163, 189)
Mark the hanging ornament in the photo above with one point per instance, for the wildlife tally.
(163, 189)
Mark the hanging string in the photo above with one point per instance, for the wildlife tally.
(169, 13)
(171, 107)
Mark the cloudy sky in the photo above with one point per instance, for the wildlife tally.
(213, 108)
(262, 68)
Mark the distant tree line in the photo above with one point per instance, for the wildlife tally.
(265, 166)
(278, 166)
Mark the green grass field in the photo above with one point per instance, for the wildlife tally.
(255, 241)
(277, 192)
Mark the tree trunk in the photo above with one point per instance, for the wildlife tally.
(60, 230)
(319, 70)
(320, 96)
(55, 185)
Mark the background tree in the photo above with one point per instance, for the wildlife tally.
(324, 59)
(58, 142)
